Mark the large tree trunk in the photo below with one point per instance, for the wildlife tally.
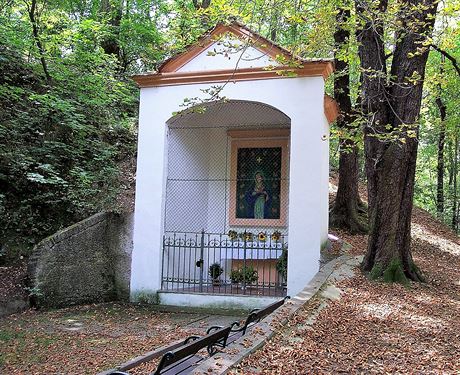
(347, 211)
(392, 108)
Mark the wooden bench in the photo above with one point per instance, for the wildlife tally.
(180, 357)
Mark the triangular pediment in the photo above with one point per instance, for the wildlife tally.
(230, 46)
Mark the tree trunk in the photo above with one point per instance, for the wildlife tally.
(455, 205)
(441, 143)
(35, 32)
(347, 212)
(440, 165)
(391, 108)
(110, 44)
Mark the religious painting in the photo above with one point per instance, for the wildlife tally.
(258, 183)
(258, 191)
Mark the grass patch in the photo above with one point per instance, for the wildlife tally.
(45, 341)
(6, 335)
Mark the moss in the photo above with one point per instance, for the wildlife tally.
(376, 271)
(394, 273)
(145, 298)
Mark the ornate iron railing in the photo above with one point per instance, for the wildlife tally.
(225, 263)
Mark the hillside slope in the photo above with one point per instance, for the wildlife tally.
(376, 327)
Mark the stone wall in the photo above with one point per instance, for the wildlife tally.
(85, 263)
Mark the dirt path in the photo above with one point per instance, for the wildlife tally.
(376, 327)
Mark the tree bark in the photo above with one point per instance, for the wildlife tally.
(391, 106)
(347, 211)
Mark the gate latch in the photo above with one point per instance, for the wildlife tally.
(199, 263)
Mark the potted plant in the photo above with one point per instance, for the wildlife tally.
(215, 270)
(244, 276)
(235, 276)
(249, 275)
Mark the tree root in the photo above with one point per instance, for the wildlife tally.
(395, 272)
(353, 220)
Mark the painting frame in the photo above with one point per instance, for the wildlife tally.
(260, 142)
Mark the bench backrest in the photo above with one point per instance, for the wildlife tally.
(210, 342)
(257, 315)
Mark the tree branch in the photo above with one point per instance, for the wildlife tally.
(448, 56)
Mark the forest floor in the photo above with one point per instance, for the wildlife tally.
(373, 328)
(92, 338)
(376, 327)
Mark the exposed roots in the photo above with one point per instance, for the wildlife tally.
(352, 218)
(395, 272)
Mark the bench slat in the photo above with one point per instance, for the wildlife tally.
(217, 338)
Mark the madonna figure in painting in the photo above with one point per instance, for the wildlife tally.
(258, 199)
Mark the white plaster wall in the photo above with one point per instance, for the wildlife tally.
(299, 98)
(222, 55)
(148, 218)
(324, 229)
(215, 301)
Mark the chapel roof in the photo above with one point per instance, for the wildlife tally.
(287, 65)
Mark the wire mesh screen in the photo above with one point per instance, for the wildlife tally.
(226, 208)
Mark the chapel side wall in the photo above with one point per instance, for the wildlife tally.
(150, 188)
(324, 183)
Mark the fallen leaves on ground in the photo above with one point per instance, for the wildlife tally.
(85, 339)
(12, 282)
(377, 327)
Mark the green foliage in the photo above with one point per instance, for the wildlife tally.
(281, 264)
(59, 144)
(61, 139)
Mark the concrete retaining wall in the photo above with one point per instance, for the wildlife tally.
(87, 262)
